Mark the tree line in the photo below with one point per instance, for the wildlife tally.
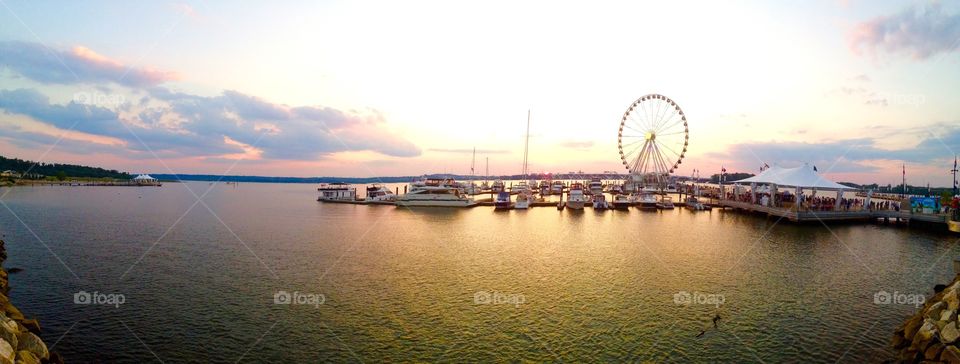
(31, 169)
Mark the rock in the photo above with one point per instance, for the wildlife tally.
(910, 356)
(8, 334)
(950, 354)
(925, 335)
(933, 352)
(55, 358)
(939, 288)
(898, 342)
(26, 357)
(935, 310)
(948, 315)
(13, 312)
(32, 343)
(32, 325)
(949, 334)
(6, 352)
(950, 297)
(910, 329)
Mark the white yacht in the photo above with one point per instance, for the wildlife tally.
(337, 191)
(665, 203)
(556, 188)
(435, 192)
(647, 201)
(524, 195)
(596, 186)
(575, 198)
(622, 202)
(600, 202)
(498, 186)
(379, 193)
(503, 201)
(692, 203)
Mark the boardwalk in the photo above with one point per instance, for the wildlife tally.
(805, 216)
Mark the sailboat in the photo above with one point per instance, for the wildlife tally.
(471, 187)
(525, 194)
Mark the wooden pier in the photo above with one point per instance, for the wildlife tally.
(828, 216)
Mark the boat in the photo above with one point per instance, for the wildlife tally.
(622, 202)
(337, 191)
(692, 203)
(435, 192)
(575, 198)
(544, 187)
(379, 193)
(498, 186)
(665, 203)
(647, 201)
(556, 187)
(524, 189)
(600, 202)
(596, 186)
(503, 201)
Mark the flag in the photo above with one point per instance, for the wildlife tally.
(723, 169)
(814, 168)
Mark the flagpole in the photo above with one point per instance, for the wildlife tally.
(954, 170)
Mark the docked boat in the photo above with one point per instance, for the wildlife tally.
(665, 203)
(596, 186)
(622, 202)
(692, 203)
(600, 202)
(337, 191)
(379, 193)
(556, 188)
(503, 201)
(435, 192)
(524, 195)
(647, 201)
(498, 186)
(544, 187)
(576, 198)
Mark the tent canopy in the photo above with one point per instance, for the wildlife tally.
(803, 177)
(143, 177)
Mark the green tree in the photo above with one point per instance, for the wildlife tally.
(61, 175)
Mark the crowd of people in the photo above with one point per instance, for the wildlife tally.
(815, 203)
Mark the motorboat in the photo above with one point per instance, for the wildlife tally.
(600, 202)
(435, 192)
(498, 186)
(622, 202)
(524, 195)
(693, 203)
(337, 191)
(379, 193)
(575, 197)
(556, 187)
(596, 186)
(502, 201)
(647, 201)
(665, 203)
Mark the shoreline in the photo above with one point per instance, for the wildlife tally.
(20, 340)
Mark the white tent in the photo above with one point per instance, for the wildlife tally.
(803, 177)
(144, 178)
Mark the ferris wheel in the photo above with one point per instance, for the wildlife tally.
(653, 137)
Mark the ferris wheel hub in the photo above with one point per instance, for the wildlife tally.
(651, 136)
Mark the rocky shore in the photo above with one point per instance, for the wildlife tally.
(932, 334)
(20, 341)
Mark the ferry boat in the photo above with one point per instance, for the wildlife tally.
(600, 202)
(622, 202)
(647, 201)
(337, 191)
(556, 188)
(435, 192)
(503, 201)
(575, 198)
(665, 203)
(379, 193)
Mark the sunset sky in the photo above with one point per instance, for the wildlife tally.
(410, 87)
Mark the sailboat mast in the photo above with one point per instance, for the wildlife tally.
(487, 171)
(526, 145)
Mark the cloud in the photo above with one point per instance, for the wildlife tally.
(861, 78)
(919, 32)
(848, 155)
(468, 151)
(577, 145)
(79, 65)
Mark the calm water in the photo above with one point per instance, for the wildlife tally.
(402, 285)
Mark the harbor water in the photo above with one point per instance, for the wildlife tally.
(265, 273)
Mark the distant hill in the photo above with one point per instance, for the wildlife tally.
(21, 166)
